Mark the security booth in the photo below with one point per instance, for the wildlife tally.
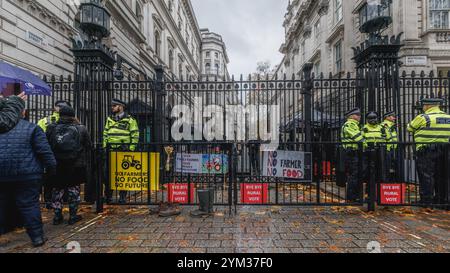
(143, 113)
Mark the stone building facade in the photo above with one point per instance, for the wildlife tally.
(37, 35)
(323, 32)
(214, 56)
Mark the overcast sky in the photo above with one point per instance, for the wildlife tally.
(252, 29)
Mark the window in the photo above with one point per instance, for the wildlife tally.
(180, 70)
(217, 55)
(317, 29)
(338, 56)
(170, 5)
(338, 10)
(216, 66)
(317, 69)
(171, 59)
(157, 43)
(208, 54)
(208, 68)
(439, 14)
(304, 51)
(444, 71)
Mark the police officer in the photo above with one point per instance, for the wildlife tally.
(390, 125)
(376, 137)
(44, 123)
(54, 117)
(431, 130)
(121, 133)
(352, 140)
(253, 152)
(373, 132)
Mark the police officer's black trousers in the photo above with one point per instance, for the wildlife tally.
(254, 160)
(391, 166)
(354, 185)
(432, 179)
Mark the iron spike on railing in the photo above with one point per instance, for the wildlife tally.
(413, 74)
(422, 74)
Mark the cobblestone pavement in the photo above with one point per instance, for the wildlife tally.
(252, 229)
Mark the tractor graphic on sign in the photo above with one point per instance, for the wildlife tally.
(129, 161)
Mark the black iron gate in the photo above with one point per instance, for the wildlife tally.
(310, 116)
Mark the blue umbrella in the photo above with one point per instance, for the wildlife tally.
(29, 83)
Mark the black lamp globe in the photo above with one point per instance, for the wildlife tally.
(375, 16)
(94, 19)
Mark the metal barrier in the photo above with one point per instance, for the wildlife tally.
(166, 172)
(311, 116)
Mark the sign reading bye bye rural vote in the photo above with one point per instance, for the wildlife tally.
(288, 164)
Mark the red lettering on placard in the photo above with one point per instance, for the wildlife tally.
(254, 193)
(178, 193)
(392, 194)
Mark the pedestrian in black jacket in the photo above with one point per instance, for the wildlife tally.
(24, 153)
(71, 144)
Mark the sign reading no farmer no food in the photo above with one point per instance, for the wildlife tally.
(288, 164)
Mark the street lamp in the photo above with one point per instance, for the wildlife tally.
(375, 16)
(94, 19)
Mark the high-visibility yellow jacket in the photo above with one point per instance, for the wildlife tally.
(45, 122)
(121, 133)
(374, 134)
(392, 135)
(351, 134)
(431, 127)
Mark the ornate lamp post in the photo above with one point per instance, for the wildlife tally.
(375, 16)
(94, 19)
(93, 60)
(94, 65)
(377, 73)
(377, 61)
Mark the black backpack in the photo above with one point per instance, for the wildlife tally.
(66, 142)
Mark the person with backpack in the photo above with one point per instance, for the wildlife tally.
(44, 123)
(71, 144)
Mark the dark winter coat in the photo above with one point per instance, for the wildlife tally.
(68, 172)
(24, 153)
(10, 113)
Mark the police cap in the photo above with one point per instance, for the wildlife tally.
(372, 115)
(61, 103)
(390, 114)
(118, 102)
(432, 101)
(355, 111)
